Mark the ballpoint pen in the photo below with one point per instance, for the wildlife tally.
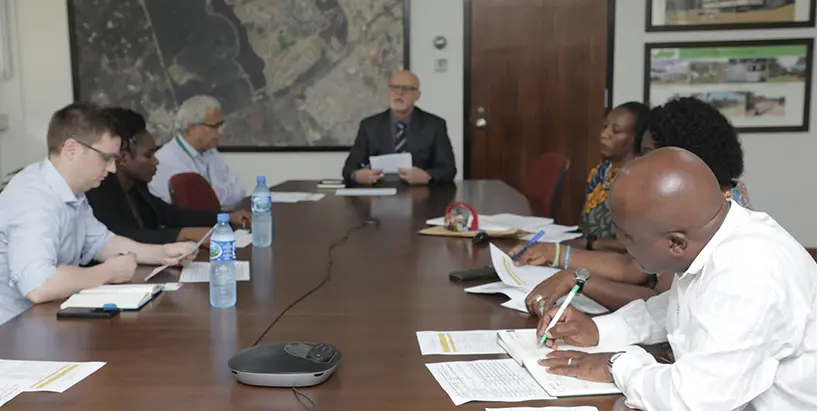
(581, 275)
(532, 241)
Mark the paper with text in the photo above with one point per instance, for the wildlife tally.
(8, 390)
(459, 342)
(391, 163)
(46, 375)
(582, 408)
(365, 192)
(486, 380)
(178, 259)
(200, 272)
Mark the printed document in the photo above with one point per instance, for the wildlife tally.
(365, 192)
(391, 163)
(178, 259)
(46, 375)
(8, 390)
(486, 380)
(459, 342)
(294, 197)
(200, 272)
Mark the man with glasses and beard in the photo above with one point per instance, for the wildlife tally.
(403, 128)
(199, 126)
(47, 227)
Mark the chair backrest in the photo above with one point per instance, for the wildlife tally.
(191, 190)
(543, 188)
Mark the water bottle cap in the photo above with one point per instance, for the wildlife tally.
(223, 217)
(260, 179)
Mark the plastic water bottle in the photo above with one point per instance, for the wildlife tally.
(223, 263)
(261, 222)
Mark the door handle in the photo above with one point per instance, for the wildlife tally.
(481, 123)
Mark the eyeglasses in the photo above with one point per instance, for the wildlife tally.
(214, 126)
(108, 157)
(402, 87)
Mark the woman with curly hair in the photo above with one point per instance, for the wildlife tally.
(685, 123)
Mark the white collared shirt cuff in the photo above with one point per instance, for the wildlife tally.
(612, 330)
(625, 366)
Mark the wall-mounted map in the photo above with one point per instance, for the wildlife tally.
(290, 74)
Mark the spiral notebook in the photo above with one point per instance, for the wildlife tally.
(522, 346)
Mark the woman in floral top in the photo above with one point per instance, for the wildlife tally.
(620, 139)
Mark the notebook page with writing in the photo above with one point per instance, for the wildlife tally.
(522, 345)
(123, 301)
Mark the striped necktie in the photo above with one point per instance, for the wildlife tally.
(401, 136)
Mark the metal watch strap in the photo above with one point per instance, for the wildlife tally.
(612, 359)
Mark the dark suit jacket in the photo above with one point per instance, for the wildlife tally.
(162, 221)
(427, 141)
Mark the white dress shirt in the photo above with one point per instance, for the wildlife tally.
(43, 225)
(178, 156)
(740, 321)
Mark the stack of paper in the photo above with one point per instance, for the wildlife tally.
(124, 296)
(294, 197)
(365, 192)
(391, 163)
(200, 272)
(522, 345)
(459, 342)
(503, 222)
(30, 376)
(517, 282)
(487, 380)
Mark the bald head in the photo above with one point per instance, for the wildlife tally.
(667, 205)
(404, 92)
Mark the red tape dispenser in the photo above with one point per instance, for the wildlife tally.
(460, 217)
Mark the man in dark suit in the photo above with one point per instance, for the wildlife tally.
(403, 128)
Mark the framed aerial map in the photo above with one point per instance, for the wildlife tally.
(291, 75)
(687, 15)
(760, 86)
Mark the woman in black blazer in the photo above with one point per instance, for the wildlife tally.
(122, 201)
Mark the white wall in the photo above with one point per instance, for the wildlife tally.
(42, 83)
(786, 189)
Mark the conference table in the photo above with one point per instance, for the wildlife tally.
(386, 283)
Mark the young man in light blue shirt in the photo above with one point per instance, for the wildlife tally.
(199, 125)
(47, 228)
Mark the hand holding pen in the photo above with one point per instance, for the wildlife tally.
(570, 325)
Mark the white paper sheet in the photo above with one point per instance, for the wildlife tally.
(582, 408)
(46, 375)
(178, 259)
(200, 272)
(518, 296)
(171, 286)
(8, 390)
(391, 163)
(243, 238)
(366, 192)
(294, 196)
(486, 380)
(475, 342)
(526, 277)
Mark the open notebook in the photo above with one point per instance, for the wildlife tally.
(522, 345)
(124, 296)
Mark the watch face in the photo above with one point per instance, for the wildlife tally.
(582, 274)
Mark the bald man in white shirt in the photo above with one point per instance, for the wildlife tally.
(740, 315)
(199, 125)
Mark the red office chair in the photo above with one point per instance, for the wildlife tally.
(191, 190)
(543, 188)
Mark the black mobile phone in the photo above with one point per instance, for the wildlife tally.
(79, 312)
(472, 274)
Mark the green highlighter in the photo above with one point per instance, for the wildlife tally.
(581, 276)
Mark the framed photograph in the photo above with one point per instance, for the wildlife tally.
(290, 75)
(688, 15)
(761, 86)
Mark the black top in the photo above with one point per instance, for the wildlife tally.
(161, 222)
(427, 141)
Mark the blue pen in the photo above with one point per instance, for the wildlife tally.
(533, 240)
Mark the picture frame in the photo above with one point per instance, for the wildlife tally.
(761, 86)
(702, 15)
(301, 82)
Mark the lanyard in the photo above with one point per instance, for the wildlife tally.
(185, 149)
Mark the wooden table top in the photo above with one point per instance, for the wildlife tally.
(387, 283)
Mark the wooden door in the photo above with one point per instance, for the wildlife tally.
(537, 76)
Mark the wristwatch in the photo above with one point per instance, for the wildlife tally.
(612, 360)
(591, 240)
(581, 277)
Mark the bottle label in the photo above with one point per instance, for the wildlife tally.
(260, 204)
(223, 251)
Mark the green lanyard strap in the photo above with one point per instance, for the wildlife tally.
(188, 153)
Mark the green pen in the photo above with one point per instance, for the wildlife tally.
(581, 276)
